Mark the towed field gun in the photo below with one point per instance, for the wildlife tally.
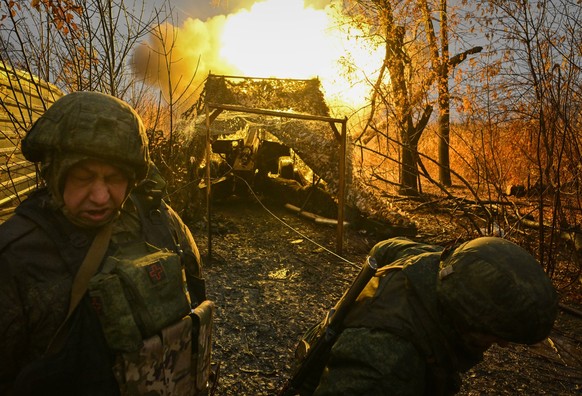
(276, 135)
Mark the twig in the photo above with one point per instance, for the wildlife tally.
(571, 310)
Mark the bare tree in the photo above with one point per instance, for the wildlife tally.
(62, 46)
(158, 62)
(399, 92)
(538, 86)
(77, 44)
(442, 64)
(413, 78)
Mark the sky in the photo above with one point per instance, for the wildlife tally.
(204, 9)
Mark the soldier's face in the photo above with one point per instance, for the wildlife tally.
(94, 192)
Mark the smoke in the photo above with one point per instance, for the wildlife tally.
(182, 57)
(269, 38)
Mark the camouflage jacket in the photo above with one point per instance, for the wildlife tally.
(40, 252)
(397, 341)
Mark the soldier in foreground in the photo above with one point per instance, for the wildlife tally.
(101, 290)
(425, 316)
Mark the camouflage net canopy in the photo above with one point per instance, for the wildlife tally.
(271, 105)
(311, 138)
(299, 96)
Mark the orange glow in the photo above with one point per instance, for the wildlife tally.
(278, 38)
(285, 39)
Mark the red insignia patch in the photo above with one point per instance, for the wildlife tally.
(156, 272)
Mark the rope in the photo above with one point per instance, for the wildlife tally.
(291, 227)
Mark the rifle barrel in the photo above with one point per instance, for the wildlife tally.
(341, 309)
(333, 326)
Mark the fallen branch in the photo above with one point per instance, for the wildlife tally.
(571, 310)
(312, 216)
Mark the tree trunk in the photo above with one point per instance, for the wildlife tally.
(444, 132)
(396, 65)
(442, 65)
(409, 168)
(444, 101)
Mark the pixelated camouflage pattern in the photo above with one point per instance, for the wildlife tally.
(92, 124)
(385, 347)
(371, 362)
(156, 284)
(496, 286)
(108, 300)
(141, 290)
(162, 367)
(143, 283)
(177, 363)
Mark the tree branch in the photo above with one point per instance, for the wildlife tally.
(455, 60)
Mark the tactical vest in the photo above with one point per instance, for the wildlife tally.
(402, 299)
(161, 345)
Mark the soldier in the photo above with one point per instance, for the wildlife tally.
(101, 290)
(430, 313)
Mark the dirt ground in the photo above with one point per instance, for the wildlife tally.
(272, 274)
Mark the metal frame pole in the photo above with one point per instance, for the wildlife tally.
(341, 188)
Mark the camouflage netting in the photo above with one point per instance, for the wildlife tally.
(313, 141)
(316, 145)
(299, 96)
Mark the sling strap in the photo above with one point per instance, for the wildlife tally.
(87, 269)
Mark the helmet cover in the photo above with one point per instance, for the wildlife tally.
(493, 286)
(89, 125)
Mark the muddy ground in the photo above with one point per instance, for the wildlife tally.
(272, 274)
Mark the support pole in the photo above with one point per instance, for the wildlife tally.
(208, 188)
(341, 188)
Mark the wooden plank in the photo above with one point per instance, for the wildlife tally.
(17, 180)
(20, 194)
(23, 99)
(274, 113)
(10, 176)
(15, 77)
(15, 165)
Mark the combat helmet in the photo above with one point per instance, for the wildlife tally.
(493, 286)
(90, 125)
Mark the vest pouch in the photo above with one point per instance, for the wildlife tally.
(154, 285)
(109, 302)
(139, 291)
(174, 362)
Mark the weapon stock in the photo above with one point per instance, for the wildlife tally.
(330, 330)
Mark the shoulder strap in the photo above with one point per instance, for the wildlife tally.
(81, 282)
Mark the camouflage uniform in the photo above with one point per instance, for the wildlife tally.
(404, 336)
(41, 249)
